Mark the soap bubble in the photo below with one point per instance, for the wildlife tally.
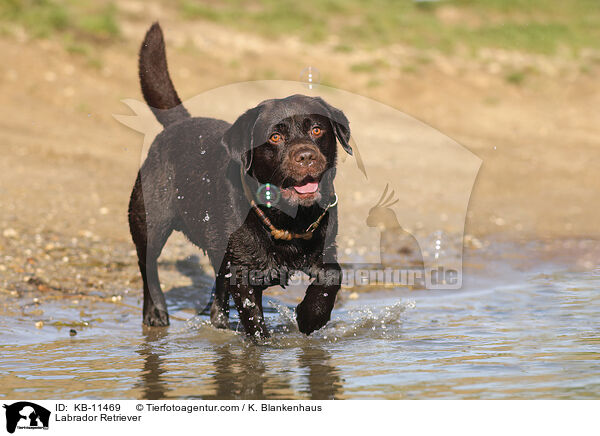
(268, 194)
(311, 76)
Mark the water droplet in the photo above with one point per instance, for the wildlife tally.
(247, 303)
(311, 76)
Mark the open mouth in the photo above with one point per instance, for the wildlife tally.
(307, 188)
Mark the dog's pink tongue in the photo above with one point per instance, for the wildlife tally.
(309, 188)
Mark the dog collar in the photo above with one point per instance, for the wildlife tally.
(285, 235)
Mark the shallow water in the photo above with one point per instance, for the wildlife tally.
(537, 338)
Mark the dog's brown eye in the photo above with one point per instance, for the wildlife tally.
(317, 131)
(276, 138)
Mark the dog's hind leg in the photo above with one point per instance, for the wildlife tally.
(149, 237)
(219, 310)
(155, 307)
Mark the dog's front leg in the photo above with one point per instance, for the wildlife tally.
(248, 301)
(315, 310)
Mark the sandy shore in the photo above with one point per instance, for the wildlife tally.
(67, 166)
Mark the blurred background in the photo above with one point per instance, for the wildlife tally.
(515, 82)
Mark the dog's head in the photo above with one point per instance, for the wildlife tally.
(290, 143)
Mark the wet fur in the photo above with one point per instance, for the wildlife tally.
(179, 187)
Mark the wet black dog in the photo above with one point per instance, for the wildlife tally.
(201, 177)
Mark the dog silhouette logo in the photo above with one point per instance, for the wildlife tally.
(26, 415)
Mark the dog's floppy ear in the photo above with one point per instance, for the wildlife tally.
(340, 123)
(239, 138)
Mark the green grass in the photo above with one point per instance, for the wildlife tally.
(76, 20)
(102, 23)
(343, 48)
(411, 69)
(540, 26)
(41, 18)
(515, 77)
(369, 67)
(77, 23)
(373, 83)
(520, 76)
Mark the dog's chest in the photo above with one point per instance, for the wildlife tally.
(265, 253)
(291, 255)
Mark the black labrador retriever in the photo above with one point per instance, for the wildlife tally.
(219, 184)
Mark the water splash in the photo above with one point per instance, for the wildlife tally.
(198, 322)
(287, 316)
(367, 322)
(358, 323)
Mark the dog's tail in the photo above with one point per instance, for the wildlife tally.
(157, 87)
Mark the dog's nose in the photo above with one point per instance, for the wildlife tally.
(305, 156)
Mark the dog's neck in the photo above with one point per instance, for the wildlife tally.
(305, 216)
(280, 222)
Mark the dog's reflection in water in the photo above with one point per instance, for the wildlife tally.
(152, 380)
(240, 372)
(324, 381)
(245, 376)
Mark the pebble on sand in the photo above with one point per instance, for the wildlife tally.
(9, 233)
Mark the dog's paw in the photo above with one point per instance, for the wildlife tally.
(311, 317)
(156, 318)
